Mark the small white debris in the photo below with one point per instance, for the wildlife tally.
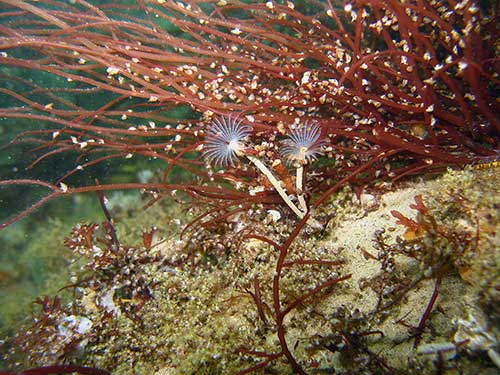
(305, 78)
(447, 350)
(462, 65)
(250, 118)
(112, 70)
(255, 190)
(106, 301)
(368, 201)
(273, 216)
(72, 324)
(433, 121)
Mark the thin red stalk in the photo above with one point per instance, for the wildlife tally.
(257, 296)
(109, 219)
(428, 310)
(312, 292)
(216, 209)
(36, 10)
(260, 365)
(283, 252)
(88, 164)
(177, 158)
(59, 150)
(29, 210)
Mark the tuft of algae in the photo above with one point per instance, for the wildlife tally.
(187, 306)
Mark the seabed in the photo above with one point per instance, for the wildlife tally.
(152, 315)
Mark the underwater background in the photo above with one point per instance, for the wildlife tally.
(392, 264)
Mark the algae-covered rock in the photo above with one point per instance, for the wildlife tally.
(418, 290)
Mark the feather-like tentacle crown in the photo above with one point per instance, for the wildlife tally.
(225, 141)
(304, 144)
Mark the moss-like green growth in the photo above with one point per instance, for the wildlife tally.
(33, 259)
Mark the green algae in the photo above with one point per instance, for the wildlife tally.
(34, 261)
